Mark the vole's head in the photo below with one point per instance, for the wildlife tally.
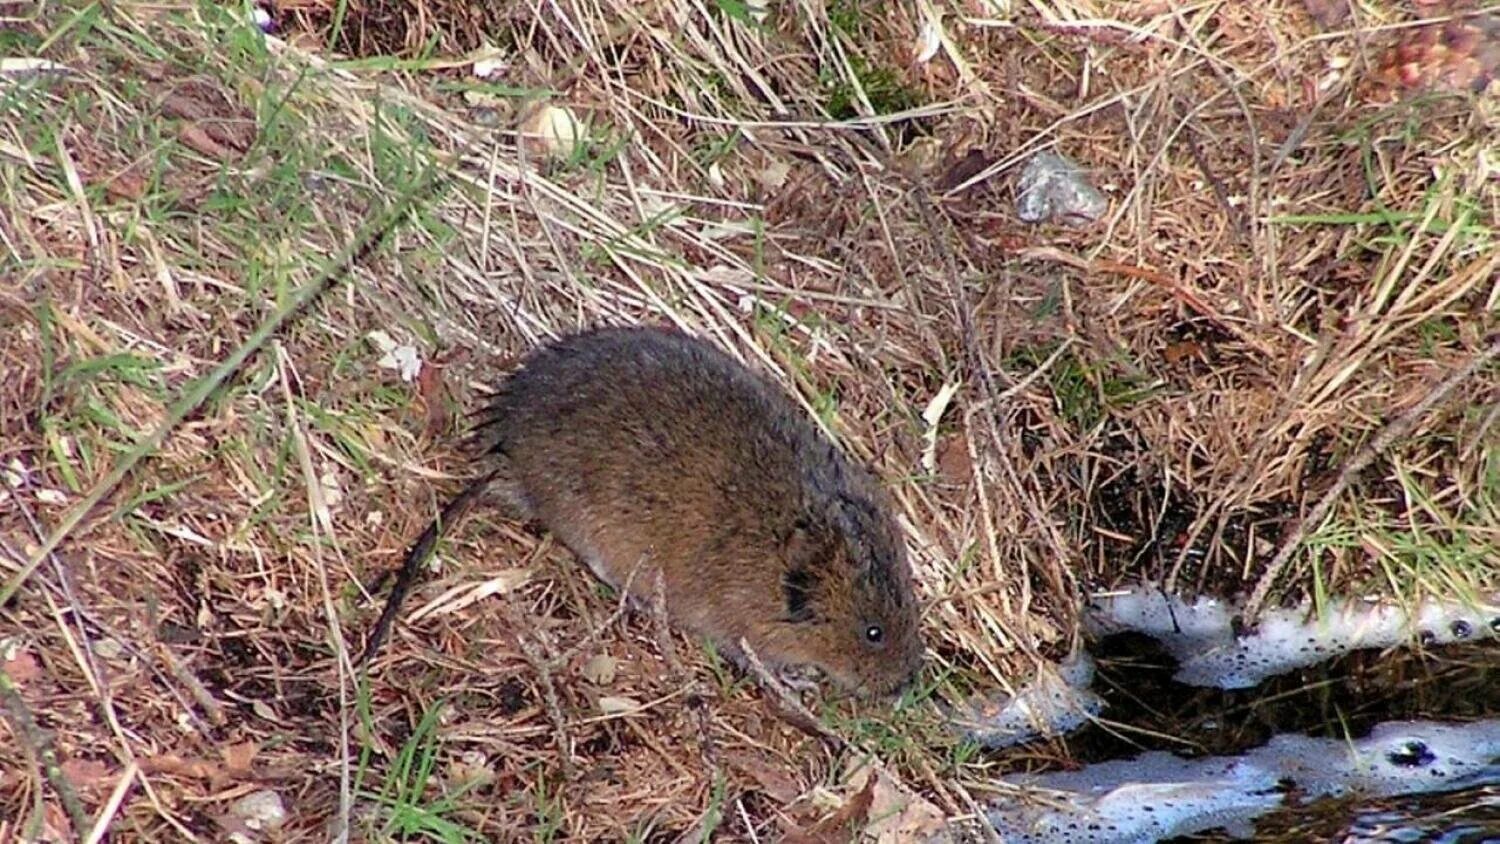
(849, 608)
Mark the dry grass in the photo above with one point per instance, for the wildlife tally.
(1286, 267)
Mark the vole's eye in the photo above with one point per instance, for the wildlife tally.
(873, 634)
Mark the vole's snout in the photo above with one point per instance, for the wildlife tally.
(911, 678)
(888, 688)
(893, 676)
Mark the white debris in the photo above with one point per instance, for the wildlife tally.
(929, 40)
(27, 66)
(1057, 701)
(489, 67)
(618, 705)
(262, 19)
(600, 669)
(930, 417)
(552, 132)
(1054, 189)
(260, 810)
(401, 357)
(1200, 634)
(51, 496)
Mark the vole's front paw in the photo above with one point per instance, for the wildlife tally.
(800, 678)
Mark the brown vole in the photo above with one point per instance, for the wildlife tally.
(644, 450)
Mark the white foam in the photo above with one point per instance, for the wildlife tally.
(1056, 701)
(1158, 795)
(1200, 636)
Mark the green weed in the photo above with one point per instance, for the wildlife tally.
(408, 810)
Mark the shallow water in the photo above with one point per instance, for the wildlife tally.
(1345, 697)
(1342, 697)
(1460, 818)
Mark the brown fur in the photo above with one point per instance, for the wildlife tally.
(644, 449)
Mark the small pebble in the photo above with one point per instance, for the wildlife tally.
(489, 68)
(261, 810)
(50, 496)
(618, 705)
(262, 18)
(600, 670)
(1054, 189)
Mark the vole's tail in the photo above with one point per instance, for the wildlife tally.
(420, 550)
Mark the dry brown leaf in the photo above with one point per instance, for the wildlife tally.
(953, 462)
(55, 823)
(1175, 353)
(193, 136)
(841, 825)
(239, 757)
(898, 814)
(185, 106)
(431, 388)
(237, 134)
(234, 765)
(87, 774)
(1329, 14)
(771, 779)
(126, 185)
(964, 169)
(173, 765)
(813, 836)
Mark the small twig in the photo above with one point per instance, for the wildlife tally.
(321, 525)
(1243, 222)
(663, 626)
(1299, 132)
(1187, 296)
(1221, 193)
(1395, 430)
(200, 693)
(696, 702)
(112, 805)
(792, 709)
(547, 667)
(86, 663)
(39, 747)
(621, 607)
(707, 747)
(550, 700)
(964, 311)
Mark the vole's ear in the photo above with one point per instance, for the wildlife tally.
(803, 553)
(797, 588)
(806, 546)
